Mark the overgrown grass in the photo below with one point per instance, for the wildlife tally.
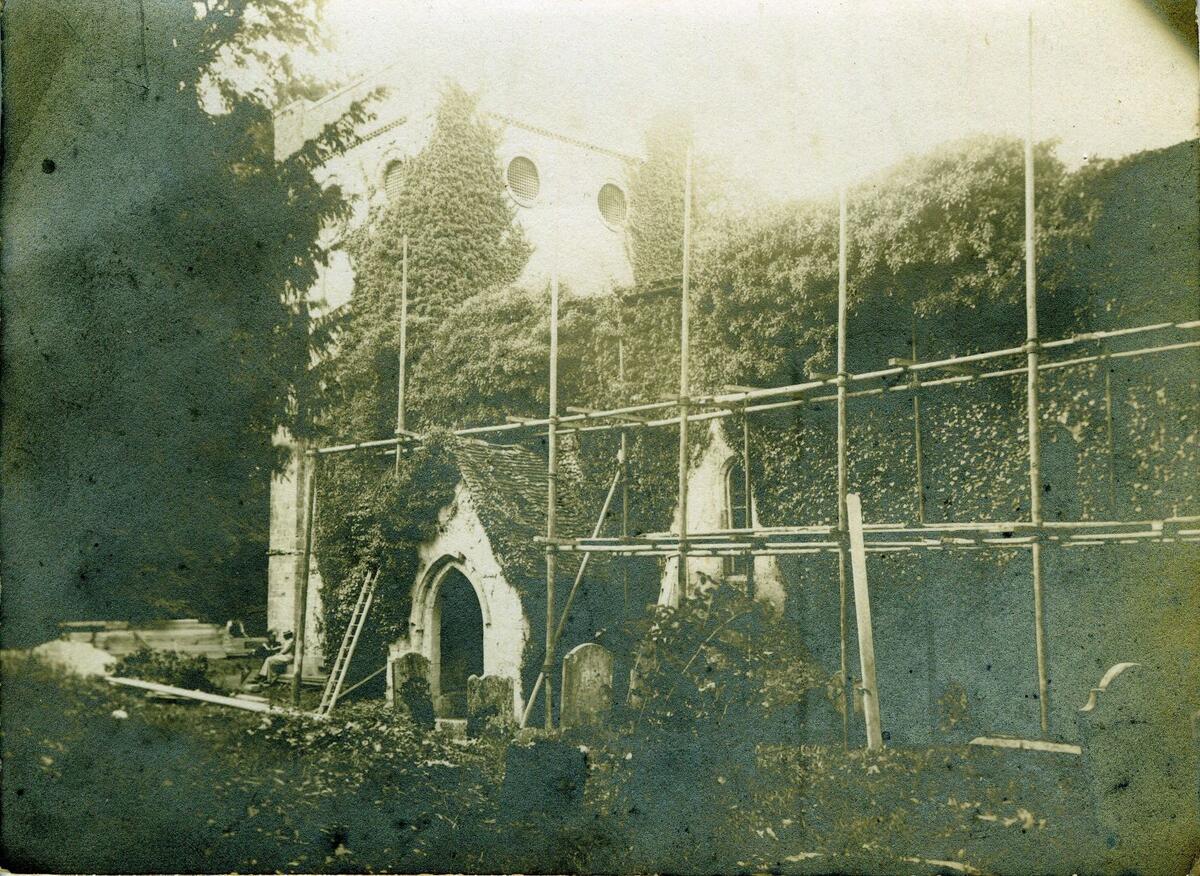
(186, 788)
(97, 779)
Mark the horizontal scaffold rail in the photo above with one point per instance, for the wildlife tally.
(905, 387)
(888, 537)
(749, 400)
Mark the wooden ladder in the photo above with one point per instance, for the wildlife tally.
(358, 617)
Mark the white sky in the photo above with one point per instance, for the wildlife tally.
(797, 97)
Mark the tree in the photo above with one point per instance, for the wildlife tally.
(156, 257)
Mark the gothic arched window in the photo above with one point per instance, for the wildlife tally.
(737, 515)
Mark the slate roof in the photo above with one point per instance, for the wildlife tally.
(508, 486)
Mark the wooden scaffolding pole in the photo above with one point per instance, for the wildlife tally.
(862, 615)
(842, 465)
(746, 486)
(1108, 437)
(551, 504)
(918, 455)
(561, 626)
(684, 378)
(402, 355)
(624, 474)
(1032, 408)
(310, 466)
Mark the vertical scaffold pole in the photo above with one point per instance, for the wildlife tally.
(1108, 434)
(842, 465)
(1035, 455)
(309, 470)
(928, 596)
(684, 379)
(401, 390)
(917, 448)
(746, 486)
(624, 471)
(551, 504)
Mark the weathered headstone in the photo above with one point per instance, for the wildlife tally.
(489, 703)
(587, 686)
(1140, 763)
(410, 689)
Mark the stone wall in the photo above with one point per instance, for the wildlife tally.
(286, 541)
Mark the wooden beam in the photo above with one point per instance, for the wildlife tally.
(1032, 408)
(199, 695)
(862, 614)
(684, 377)
(843, 464)
(309, 471)
(551, 503)
(592, 412)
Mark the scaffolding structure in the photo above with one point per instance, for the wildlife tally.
(899, 376)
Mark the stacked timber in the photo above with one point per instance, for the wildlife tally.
(188, 636)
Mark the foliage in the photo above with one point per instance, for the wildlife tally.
(858, 811)
(718, 664)
(462, 242)
(490, 356)
(938, 237)
(464, 247)
(141, 786)
(168, 319)
(146, 787)
(715, 677)
(167, 667)
(655, 224)
(373, 514)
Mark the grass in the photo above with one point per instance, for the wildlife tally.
(98, 779)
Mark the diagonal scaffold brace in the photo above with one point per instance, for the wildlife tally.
(566, 609)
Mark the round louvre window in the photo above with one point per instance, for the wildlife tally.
(612, 205)
(523, 180)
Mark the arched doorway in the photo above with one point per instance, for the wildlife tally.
(457, 651)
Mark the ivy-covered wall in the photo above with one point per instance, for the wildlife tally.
(936, 261)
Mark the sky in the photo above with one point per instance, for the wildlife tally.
(795, 99)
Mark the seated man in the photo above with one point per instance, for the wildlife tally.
(277, 663)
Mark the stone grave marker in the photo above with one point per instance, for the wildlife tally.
(489, 703)
(410, 689)
(587, 686)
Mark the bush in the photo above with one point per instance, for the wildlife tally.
(167, 667)
(717, 677)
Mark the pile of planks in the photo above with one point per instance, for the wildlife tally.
(187, 636)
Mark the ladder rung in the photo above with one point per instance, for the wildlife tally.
(341, 663)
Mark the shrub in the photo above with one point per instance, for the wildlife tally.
(717, 677)
(167, 667)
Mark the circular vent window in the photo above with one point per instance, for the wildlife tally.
(523, 180)
(612, 205)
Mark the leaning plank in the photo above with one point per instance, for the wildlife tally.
(216, 699)
(1027, 744)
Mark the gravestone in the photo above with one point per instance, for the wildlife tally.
(489, 703)
(411, 695)
(587, 686)
(1140, 763)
